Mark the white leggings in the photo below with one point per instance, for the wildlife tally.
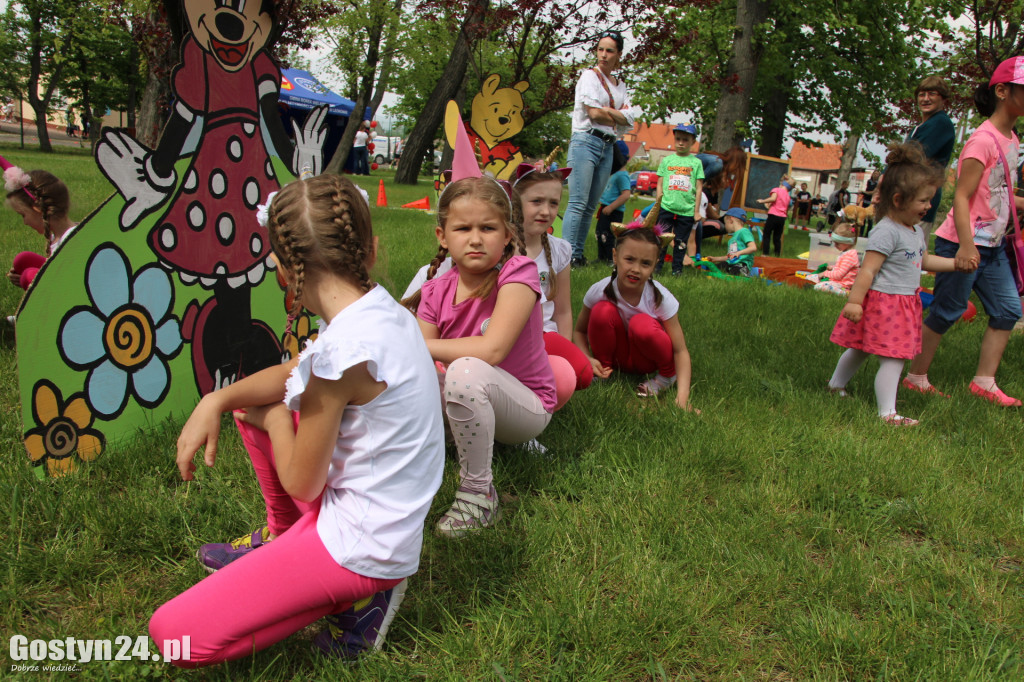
(887, 380)
(486, 404)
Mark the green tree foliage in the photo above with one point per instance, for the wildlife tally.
(826, 66)
(42, 30)
(103, 67)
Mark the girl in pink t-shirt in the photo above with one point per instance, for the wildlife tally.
(840, 277)
(983, 213)
(777, 203)
(483, 320)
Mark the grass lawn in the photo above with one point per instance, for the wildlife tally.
(784, 534)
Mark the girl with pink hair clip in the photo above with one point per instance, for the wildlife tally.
(42, 201)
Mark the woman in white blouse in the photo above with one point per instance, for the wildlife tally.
(602, 113)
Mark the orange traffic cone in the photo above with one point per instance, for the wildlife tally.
(382, 196)
(636, 211)
(423, 204)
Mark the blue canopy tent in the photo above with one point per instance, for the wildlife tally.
(301, 92)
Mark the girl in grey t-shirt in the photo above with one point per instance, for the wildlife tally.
(883, 313)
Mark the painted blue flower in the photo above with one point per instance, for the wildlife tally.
(126, 338)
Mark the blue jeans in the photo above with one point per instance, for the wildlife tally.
(993, 282)
(590, 158)
(680, 226)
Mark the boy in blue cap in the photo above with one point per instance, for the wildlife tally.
(680, 182)
(740, 259)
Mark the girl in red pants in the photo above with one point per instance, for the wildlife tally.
(540, 194)
(629, 321)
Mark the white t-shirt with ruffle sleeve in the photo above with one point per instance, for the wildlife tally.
(389, 457)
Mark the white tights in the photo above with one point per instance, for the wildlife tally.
(887, 380)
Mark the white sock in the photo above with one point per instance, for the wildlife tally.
(987, 383)
(919, 380)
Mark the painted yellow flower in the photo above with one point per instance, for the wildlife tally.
(303, 333)
(63, 433)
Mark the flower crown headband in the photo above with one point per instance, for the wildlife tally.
(15, 179)
(664, 237)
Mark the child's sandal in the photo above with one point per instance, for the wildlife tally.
(899, 420)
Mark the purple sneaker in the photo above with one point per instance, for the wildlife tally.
(361, 628)
(216, 555)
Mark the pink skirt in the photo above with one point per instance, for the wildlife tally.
(890, 326)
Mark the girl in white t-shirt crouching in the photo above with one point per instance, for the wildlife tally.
(348, 445)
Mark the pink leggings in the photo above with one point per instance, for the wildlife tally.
(275, 591)
(644, 348)
(26, 264)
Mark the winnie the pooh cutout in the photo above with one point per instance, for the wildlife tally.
(496, 116)
(162, 294)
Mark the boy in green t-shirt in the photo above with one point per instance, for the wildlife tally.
(680, 183)
(742, 246)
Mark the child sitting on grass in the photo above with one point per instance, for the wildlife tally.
(740, 259)
(42, 201)
(347, 443)
(629, 322)
(840, 277)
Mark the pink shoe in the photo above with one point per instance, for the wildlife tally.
(996, 396)
(897, 420)
(931, 390)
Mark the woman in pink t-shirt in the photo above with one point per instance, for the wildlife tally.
(483, 320)
(984, 211)
(777, 203)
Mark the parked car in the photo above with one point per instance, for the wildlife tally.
(643, 182)
(382, 151)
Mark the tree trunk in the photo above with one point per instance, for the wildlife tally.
(41, 104)
(741, 73)
(422, 136)
(156, 93)
(849, 154)
(773, 124)
(153, 109)
(373, 35)
(133, 89)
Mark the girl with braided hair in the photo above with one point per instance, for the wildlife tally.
(629, 322)
(483, 323)
(42, 201)
(347, 443)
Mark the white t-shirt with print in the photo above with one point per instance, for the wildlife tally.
(668, 308)
(561, 254)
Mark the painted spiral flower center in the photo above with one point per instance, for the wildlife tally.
(129, 337)
(61, 438)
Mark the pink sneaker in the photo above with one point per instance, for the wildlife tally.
(996, 396)
(931, 390)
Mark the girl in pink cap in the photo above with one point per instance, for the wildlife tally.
(984, 211)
